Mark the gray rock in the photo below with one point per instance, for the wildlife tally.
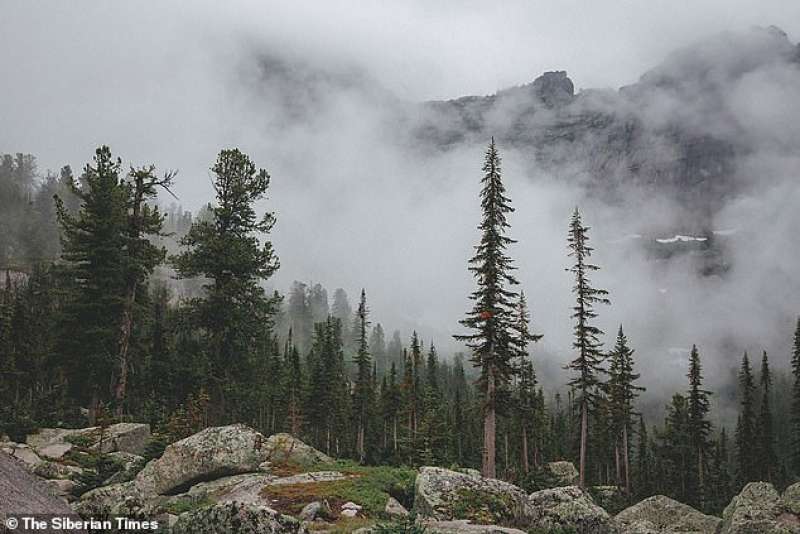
(393, 508)
(21, 493)
(315, 510)
(131, 465)
(245, 488)
(236, 518)
(308, 478)
(561, 473)
(662, 514)
(463, 526)
(56, 451)
(125, 437)
(211, 453)
(351, 509)
(568, 508)
(443, 495)
(790, 500)
(23, 453)
(115, 500)
(285, 448)
(55, 470)
(61, 487)
(758, 508)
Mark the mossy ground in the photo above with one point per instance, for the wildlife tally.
(369, 487)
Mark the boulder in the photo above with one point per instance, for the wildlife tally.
(238, 518)
(125, 437)
(758, 508)
(560, 474)
(23, 453)
(464, 526)
(130, 464)
(308, 478)
(245, 488)
(57, 471)
(393, 508)
(662, 514)
(568, 508)
(61, 487)
(55, 451)
(211, 453)
(285, 448)
(115, 500)
(443, 495)
(314, 510)
(21, 493)
(790, 500)
(350, 509)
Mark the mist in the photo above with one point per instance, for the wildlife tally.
(322, 97)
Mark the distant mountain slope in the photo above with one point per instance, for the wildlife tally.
(679, 130)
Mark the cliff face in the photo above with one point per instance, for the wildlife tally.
(682, 129)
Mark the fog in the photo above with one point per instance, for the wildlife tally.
(312, 92)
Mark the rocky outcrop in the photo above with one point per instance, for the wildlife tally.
(567, 508)
(463, 526)
(287, 449)
(54, 443)
(393, 508)
(559, 474)
(21, 493)
(210, 454)
(759, 508)
(661, 514)
(238, 518)
(443, 495)
(21, 452)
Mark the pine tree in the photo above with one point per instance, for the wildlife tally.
(94, 243)
(622, 393)
(587, 364)
(491, 316)
(699, 430)
(226, 250)
(766, 459)
(363, 393)
(745, 426)
(525, 402)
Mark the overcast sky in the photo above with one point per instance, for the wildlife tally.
(144, 76)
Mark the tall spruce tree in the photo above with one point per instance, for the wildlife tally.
(699, 430)
(622, 392)
(746, 425)
(363, 392)
(491, 317)
(766, 458)
(587, 365)
(226, 250)
(525, 402)
(94, 242)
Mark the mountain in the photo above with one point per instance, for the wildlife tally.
(679, 131)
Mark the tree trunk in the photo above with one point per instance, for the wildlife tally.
(617, 465)
(525, 465)
(395, 434)
(626, 457)
(584, 437)
(489, 429)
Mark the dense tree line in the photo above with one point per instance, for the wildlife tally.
(110, 304)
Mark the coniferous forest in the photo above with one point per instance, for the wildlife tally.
(115, 306)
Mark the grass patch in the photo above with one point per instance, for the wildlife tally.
(369, 487)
